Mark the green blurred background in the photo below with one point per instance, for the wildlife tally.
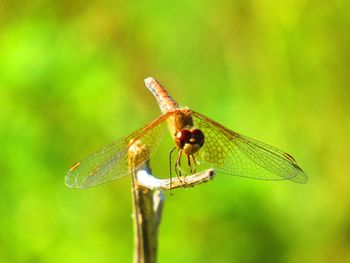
(71, 81)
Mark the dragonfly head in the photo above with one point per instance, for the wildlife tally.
(190, 141)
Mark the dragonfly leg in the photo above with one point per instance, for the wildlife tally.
(191, 163)
(194, 164)
(178, 168)
(170, 168)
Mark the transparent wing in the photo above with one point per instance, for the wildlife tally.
(235, 154)
(113, 161)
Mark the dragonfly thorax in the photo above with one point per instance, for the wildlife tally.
(190, 141)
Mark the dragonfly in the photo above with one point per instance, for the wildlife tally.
(197, 138)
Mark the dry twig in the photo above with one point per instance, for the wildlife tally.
(148, 200)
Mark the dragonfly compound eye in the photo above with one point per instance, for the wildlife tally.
(183, 137)
(198, 137)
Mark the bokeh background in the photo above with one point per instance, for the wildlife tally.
(71, 81)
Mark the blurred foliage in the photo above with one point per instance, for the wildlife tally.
(71, 81)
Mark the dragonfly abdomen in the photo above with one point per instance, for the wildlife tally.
(166, 103)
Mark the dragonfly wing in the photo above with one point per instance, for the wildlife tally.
(113, 161)
(232, 153)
